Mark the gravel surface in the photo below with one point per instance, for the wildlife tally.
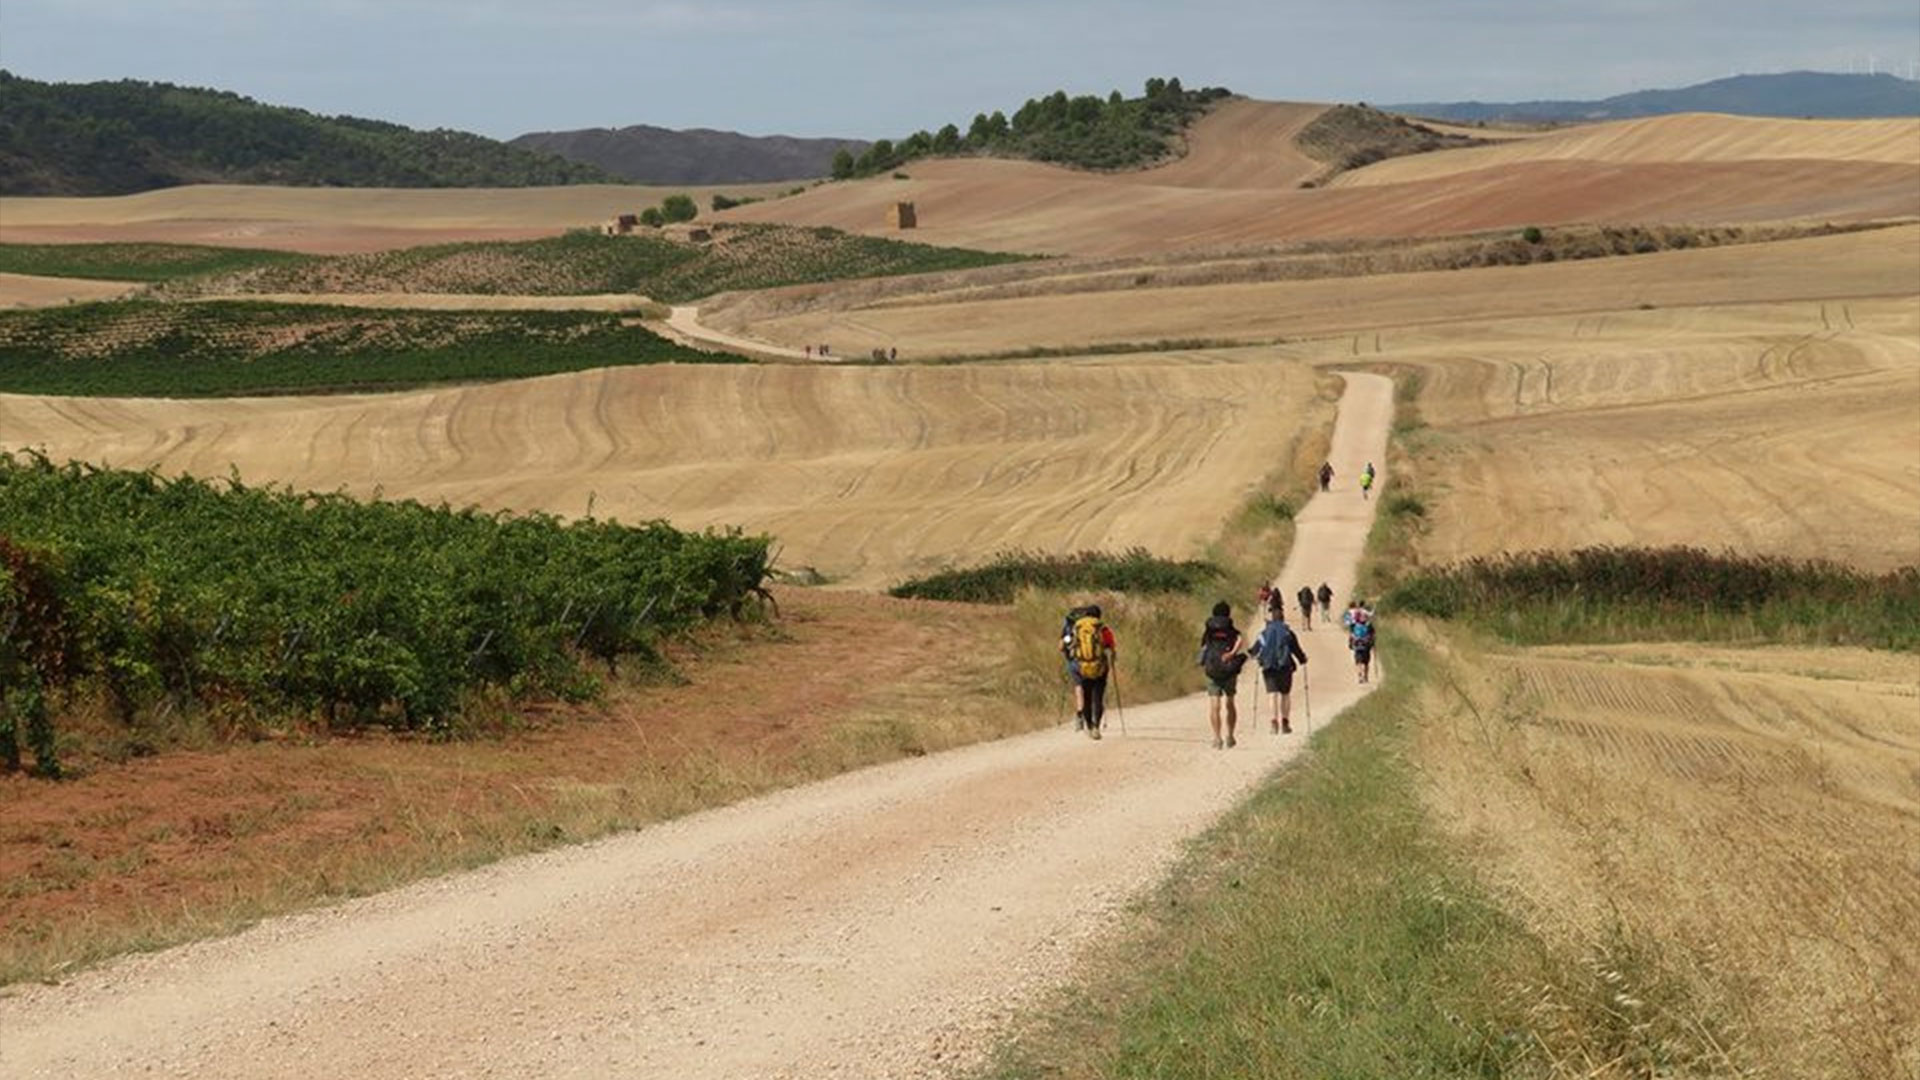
(885, 923)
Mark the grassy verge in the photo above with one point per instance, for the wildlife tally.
(1325, 930)
(144, 348)
(1687, 594)
(136, 262)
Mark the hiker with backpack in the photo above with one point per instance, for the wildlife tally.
(1326, 475)
(1359, 623)
(1305, 596)
(1222, 655)
(1366, 481)
(1089, 647)
(1278, 651)
(1326, 602)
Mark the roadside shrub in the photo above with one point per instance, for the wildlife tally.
(1532, 234)
(1002, 579)
(1618, 594)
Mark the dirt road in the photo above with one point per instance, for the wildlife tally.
(881, 924)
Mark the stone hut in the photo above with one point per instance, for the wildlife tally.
(903, 216)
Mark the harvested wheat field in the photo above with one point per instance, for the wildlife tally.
(866, 474)
(331, 221)
(1784, 430)
(1732, 818)
(1241, 185)
(30, 290)
(1880, 262)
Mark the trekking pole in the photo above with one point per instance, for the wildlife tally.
(1306, 697)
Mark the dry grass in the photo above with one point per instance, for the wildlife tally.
(1745, 819)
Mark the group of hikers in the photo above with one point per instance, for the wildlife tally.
(1087, 645)
(1089, 648)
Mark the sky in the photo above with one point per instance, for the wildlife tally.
(870, 68)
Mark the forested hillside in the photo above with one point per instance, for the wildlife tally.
(654, 155)
(116, 138)
(1090, 132)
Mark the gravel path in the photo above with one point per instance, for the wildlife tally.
(885, 923)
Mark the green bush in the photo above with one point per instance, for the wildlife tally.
(679, 208)
(1002, 579)
(1533, 235)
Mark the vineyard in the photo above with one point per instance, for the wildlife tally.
(259, 606)
(135, 262)
(585, 263)
(217, 348)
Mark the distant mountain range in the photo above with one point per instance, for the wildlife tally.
(1795, 93)
(654, 155)
(116, 138)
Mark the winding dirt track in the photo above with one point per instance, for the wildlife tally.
(876, 925)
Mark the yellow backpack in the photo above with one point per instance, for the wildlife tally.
(1089, 658)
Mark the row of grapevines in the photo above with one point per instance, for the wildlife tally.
(170, 593)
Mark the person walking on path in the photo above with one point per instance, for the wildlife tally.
(1090, 649)
(1366, 481)
(1359, 623)
(1222, 655)
(1326, 602)
(1305, 596)
(1278, 650)
(1326, 475)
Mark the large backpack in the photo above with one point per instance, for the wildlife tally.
(1086, 651)
(1361, 631)
(1281, 656)
(1216, 661)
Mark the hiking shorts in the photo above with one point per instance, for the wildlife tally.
(1362, 654)
(1223, 687)
(1278, 680)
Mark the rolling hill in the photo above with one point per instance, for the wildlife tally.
(1813, 94)
(655, 155)
(1243, 183)
(116, 138)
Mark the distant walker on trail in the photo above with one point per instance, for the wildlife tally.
(1088, 645)
(1366, 481)
(1305, 596)
(1222, 655)
(1326, 602)
(1278, 651)
(1326, 475)
(1359, 623)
